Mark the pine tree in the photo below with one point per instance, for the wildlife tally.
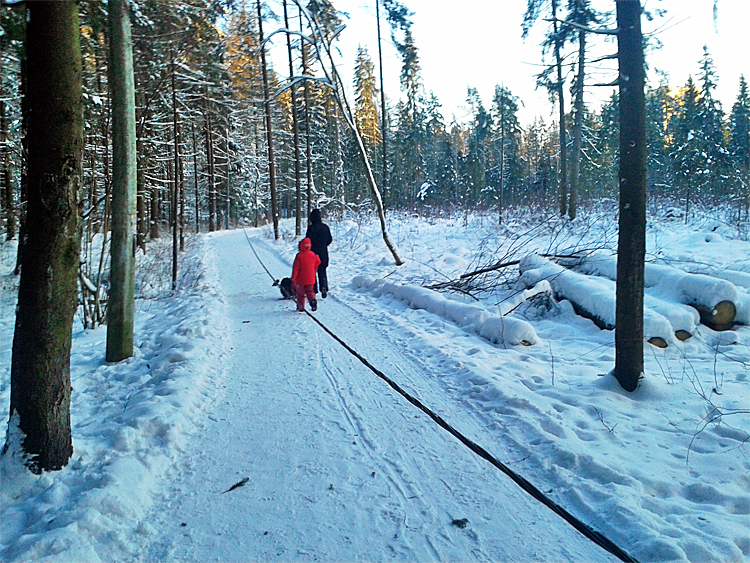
(686, 154)
(507, 140)
(739, 143)
(411, 129)
(660, 106)
(478, 153)
(554, 41)
(713, 154)
(366, 95)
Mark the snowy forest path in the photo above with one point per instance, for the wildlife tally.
(339, 467)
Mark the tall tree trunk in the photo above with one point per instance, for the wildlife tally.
(631, 249)
(141, 214)
(384, 126)
(308, 144)
(295, 125)
(211, 172)
(269, 130)
(195, 182)
(154, 223)
(560, 87)
(141, 196)
(182, 204)
(227, 199)
(338, 167)
(577, 127)
(121, 307)
(47, 294)
(502, 164)
(23, 199)
(7, 189)
(176, 177)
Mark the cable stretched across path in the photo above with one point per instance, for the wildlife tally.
(596, 537)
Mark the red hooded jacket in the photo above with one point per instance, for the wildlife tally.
(305, 264)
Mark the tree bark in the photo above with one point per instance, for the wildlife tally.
(7, 190)
(47, 295)
(24, 191)
(269, 130)
(211, 171)
(195, 182)
(560, 87)
(176, 179)
(308, 144)
(631, 249)
(577, 127)
(295, 125)
(384, 132)
(121, 307)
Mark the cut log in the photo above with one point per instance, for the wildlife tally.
(682, 335)
(592, 297)
(715, 299)
(720, 317)
(657, 341)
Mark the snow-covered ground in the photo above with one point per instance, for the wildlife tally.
(228, 383)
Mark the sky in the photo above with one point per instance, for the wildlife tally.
(478, 43)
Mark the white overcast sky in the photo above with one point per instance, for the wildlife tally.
(478, 43)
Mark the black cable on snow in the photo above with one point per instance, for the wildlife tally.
(258, 257)
(596, 537)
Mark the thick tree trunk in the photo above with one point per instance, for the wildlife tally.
(631, 249)
(121, 307)
(269, 129)
(47, 295)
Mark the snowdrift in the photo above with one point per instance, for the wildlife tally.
(495, 328)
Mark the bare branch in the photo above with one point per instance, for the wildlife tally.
(601, 31)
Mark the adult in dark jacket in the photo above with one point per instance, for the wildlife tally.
(320, 237)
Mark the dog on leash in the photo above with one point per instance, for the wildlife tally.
(285, 285)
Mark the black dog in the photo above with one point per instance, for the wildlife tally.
(285, 285)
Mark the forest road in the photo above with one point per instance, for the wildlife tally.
(339, 467)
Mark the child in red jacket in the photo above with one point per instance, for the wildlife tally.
(303, 275)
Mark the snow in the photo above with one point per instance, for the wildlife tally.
(229, 383)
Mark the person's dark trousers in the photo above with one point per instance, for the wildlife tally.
(322, 282)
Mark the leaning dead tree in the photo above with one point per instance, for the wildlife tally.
(321, 42)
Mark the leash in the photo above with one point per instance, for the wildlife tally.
(586, 530)
(275, 281)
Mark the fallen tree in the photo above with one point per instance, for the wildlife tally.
(715, 299)
(593, 297)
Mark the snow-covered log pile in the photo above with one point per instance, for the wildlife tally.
(594, 298)
(717, 300)
(495, 328)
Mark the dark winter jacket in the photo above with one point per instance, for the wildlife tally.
(320, 236)
(305, 264)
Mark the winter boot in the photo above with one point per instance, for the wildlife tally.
(314, 305)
